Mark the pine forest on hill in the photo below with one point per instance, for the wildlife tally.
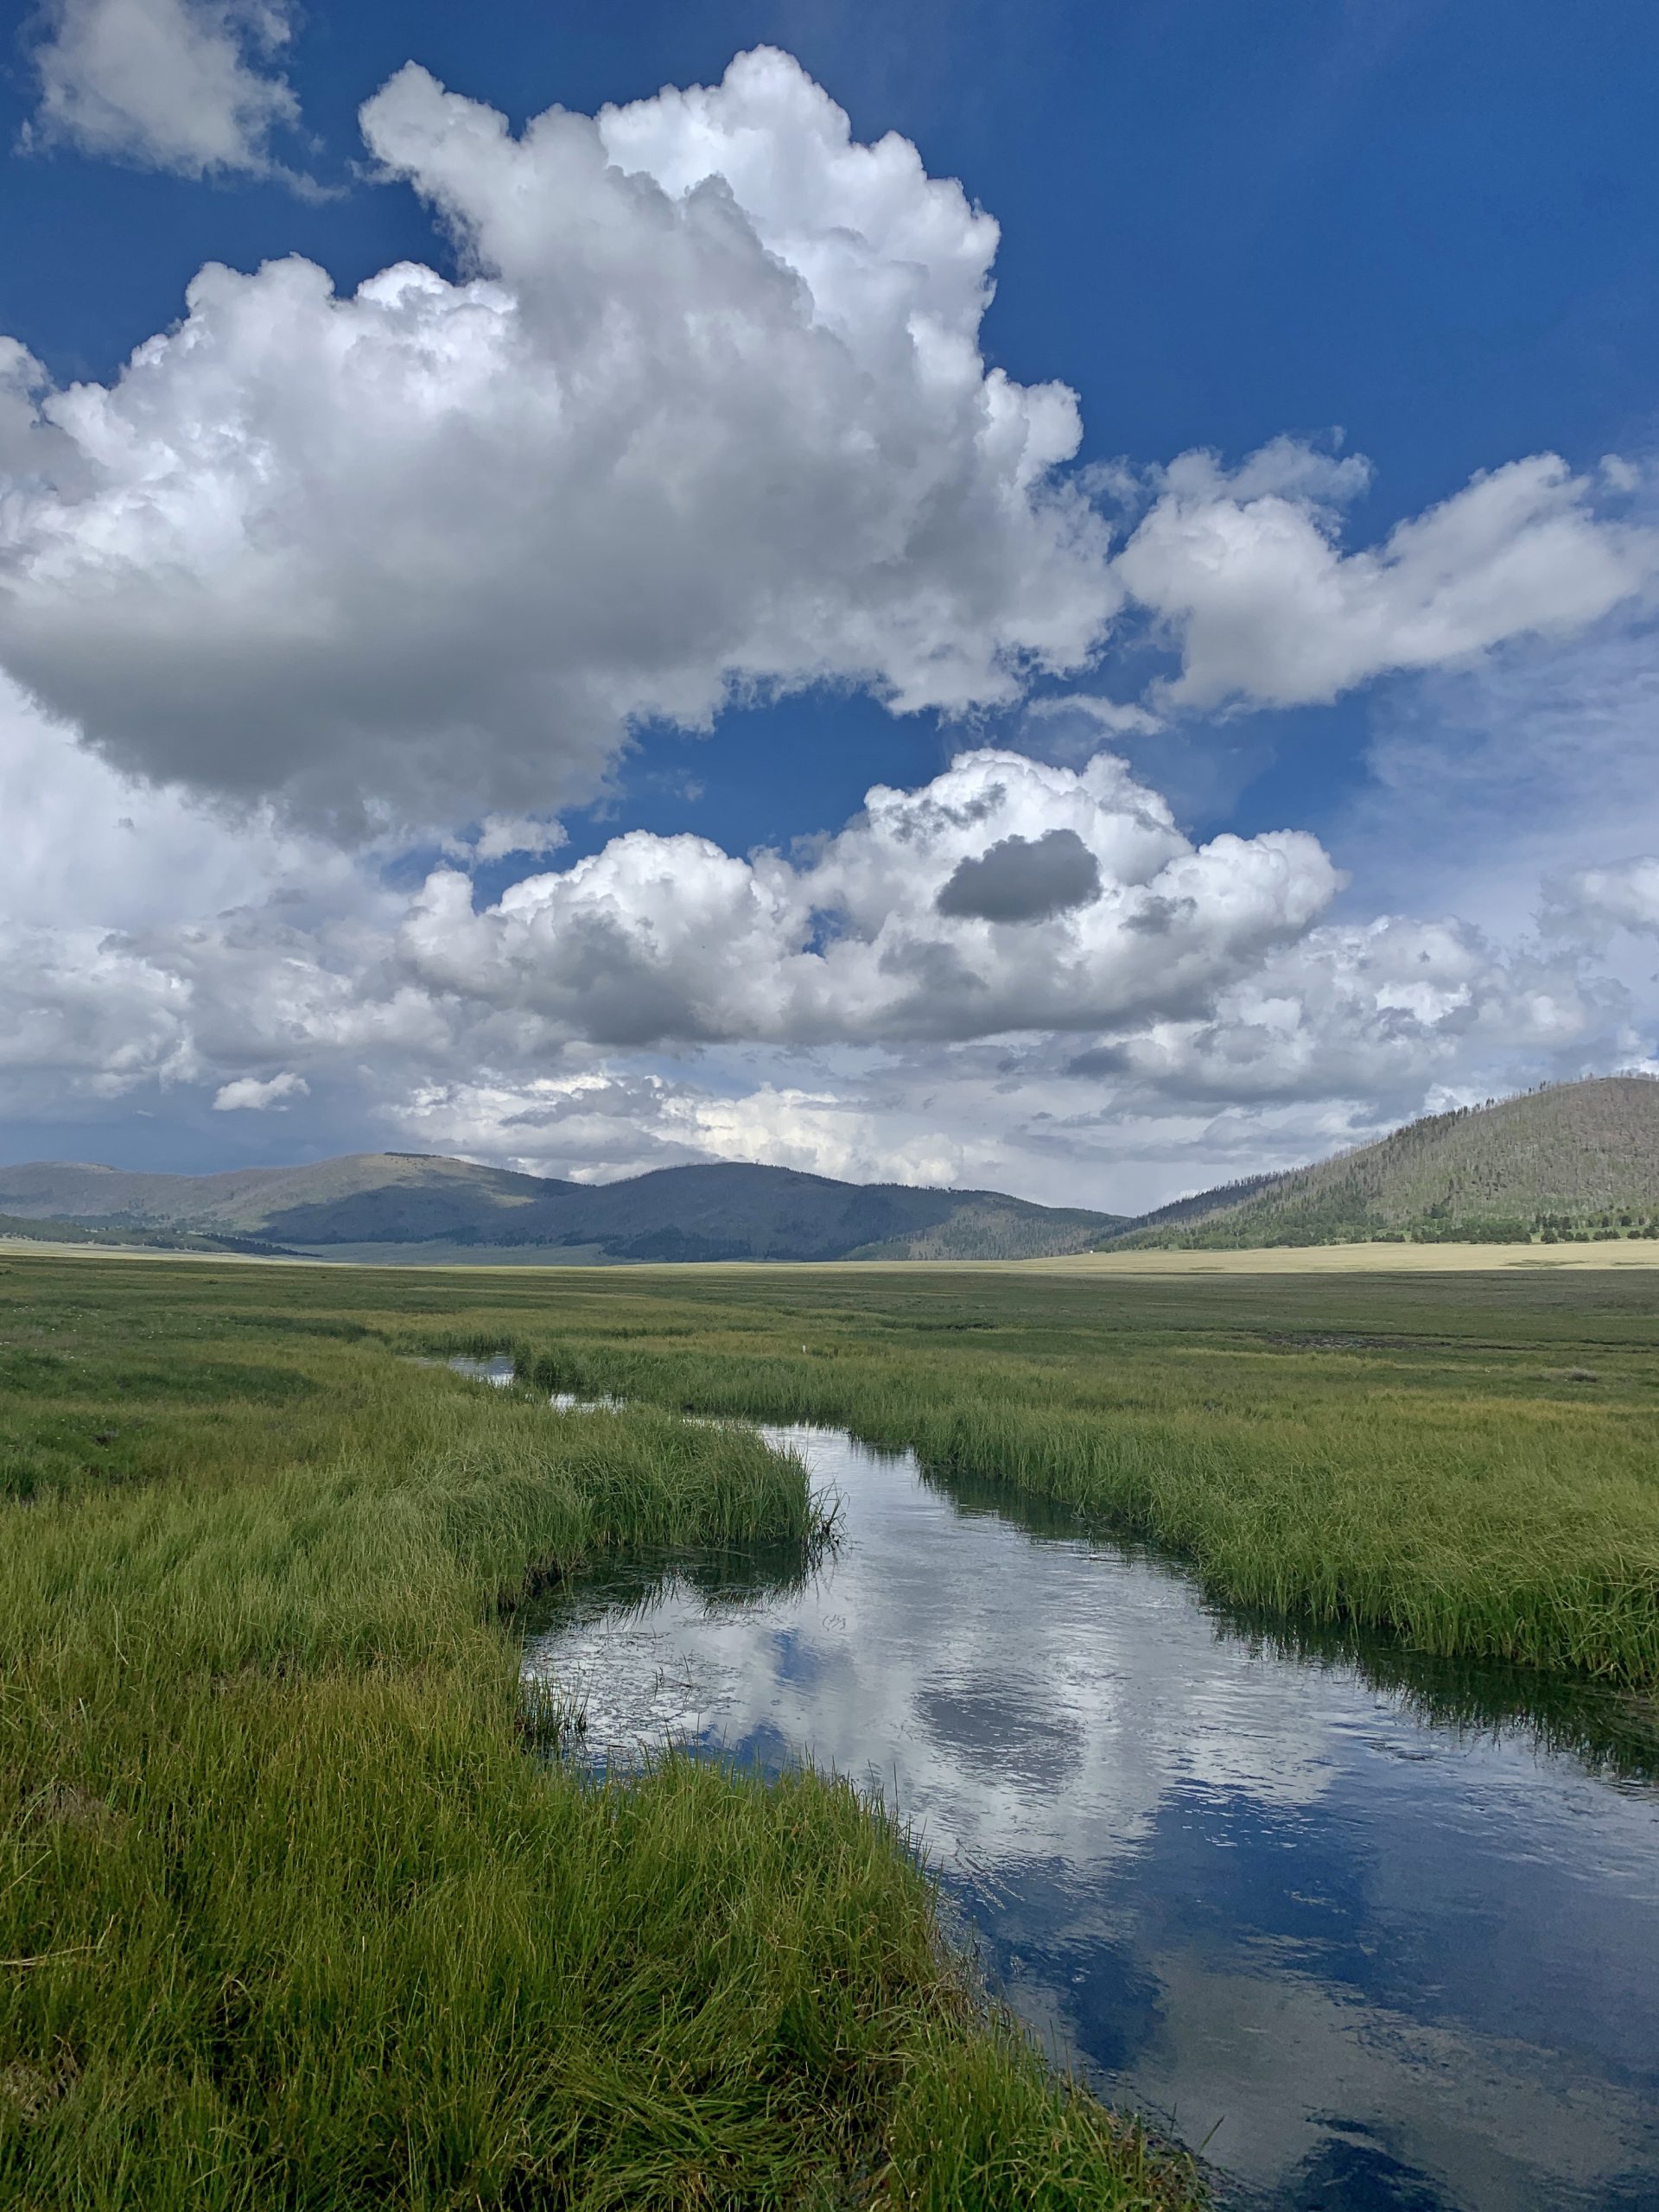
(1569, 1162)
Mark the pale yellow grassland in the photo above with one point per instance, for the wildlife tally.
(1277, 1260)
(1360, 1259)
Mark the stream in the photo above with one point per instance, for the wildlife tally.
(1366, 1932)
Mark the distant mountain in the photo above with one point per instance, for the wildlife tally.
(409, 1206)
(1578, 1160)
(1575, 1159)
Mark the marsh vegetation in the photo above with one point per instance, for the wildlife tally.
(1466, 1462)
(291, 1918)
(288, 1917)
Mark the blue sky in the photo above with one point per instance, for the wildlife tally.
(331, 621)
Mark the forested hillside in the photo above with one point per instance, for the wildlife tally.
(1571, 1160)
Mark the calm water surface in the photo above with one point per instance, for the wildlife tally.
(1353, 1927)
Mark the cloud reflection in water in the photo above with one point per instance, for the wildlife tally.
(1382, 1947)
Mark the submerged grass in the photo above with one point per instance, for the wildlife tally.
(287, 1916)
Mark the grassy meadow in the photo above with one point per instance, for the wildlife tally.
(292, 1913)
(289, 1913)
(1469, 1462)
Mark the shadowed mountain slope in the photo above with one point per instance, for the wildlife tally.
(399, 1199)
(1574, 1159)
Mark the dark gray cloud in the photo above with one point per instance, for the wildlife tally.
(1158, 917)
(1024, 880)
(1100, 1059)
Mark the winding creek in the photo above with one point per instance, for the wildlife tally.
(1371, 1934)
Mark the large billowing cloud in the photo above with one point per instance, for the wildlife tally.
(697, 413)
(670, 942)
(308, 964)
(180, 85)
(1084, 905)
(701, 415)
(1185, 1013)
(704, 413)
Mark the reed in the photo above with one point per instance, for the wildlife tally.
(289, 1916)
(1477, 1473)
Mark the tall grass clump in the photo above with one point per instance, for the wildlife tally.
(289, 1916)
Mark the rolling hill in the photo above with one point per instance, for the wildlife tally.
(411, 1206)
(1575, 1159)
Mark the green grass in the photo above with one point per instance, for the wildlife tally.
(289, 1914)
(1470, 1463)
(292, 1913)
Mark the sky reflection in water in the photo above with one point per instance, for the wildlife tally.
(1372, 1959)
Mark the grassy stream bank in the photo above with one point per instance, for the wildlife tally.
(287, 1917)
(1469, 1462)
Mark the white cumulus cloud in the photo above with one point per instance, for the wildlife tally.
(182, 85)
(291, 956)
(1246, 573)
(248, 1094)
(1623, 894)
(704, 414)
(1095, 991)
(1381, 1013)
(670, 939)
(695, 411)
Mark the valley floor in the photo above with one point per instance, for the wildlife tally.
(289, 1914)
(1268, 1260)
(292, 1913)
(1368, 1259)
